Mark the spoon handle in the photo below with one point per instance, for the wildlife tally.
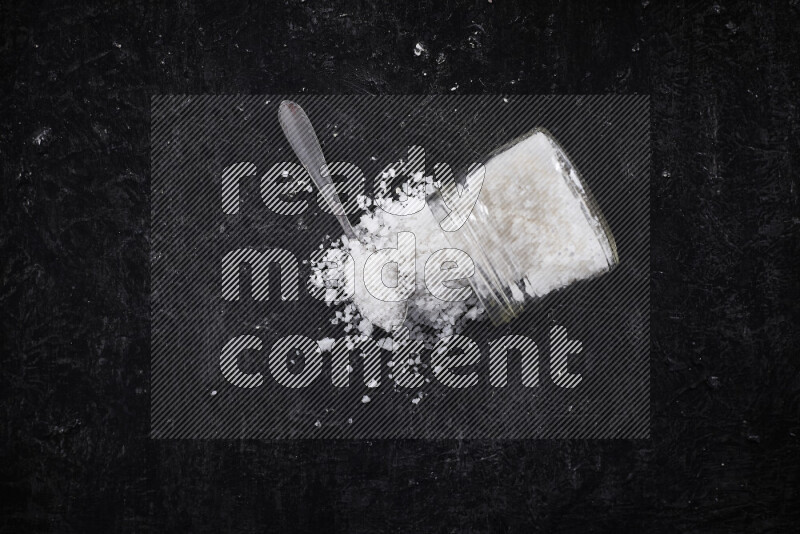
(300, 134)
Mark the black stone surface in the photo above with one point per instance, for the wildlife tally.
(74, 133)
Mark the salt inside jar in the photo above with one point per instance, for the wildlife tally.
(535, 227)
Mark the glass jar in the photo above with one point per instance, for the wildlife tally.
(500, 280)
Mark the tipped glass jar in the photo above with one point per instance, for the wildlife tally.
(534, 228)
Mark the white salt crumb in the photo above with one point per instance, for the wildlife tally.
(326, 344)
(317, 424)
(365, 399)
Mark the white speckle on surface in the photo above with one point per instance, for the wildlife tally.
(317, 424)
(42, 136)
(419, 49)
(365, 399)
(213, 392)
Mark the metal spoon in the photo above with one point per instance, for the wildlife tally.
(300, 134)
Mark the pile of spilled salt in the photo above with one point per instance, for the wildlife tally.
(539, 209)
(378, 229)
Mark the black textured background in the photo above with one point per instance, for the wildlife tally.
(76, 83)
